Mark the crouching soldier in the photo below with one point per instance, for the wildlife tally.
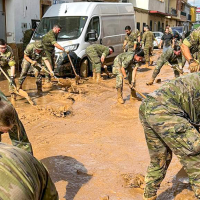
(171, 119)
(173, 57)
(97, 54)
(7, 63)
(34, 55)
(125, 67)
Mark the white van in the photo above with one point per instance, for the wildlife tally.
(80, 18)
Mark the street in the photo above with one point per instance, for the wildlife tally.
(98, 142)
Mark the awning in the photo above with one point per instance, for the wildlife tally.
(157, 12)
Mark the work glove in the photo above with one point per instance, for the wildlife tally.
(194, 67)
(34, 63)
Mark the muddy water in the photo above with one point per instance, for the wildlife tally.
(88, 151)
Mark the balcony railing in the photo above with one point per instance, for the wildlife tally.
(174, 12)
(183, 13)
(189, 17)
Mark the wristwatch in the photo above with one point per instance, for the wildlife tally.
(191, 61)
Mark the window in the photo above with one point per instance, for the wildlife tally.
(151, 25)
(158, 26)
(138, 26)
(94, 25)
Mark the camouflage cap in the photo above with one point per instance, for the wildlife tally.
(38, 45)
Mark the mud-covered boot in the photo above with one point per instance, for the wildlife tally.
(94, 74)
(151, 198)
(98, 77)
(151, 81)
(39, 89)
(146, 65)
(151, 61)
(133, 95)
(120, 96)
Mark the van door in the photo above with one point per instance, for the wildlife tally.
(2, 22)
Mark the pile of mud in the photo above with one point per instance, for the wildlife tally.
(134, 180)
(58, 108)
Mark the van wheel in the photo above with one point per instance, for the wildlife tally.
(84, 69)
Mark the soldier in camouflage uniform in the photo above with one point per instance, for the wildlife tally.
(191, 46)
(171, 120)
(27, 36)
(49, 42)
(147, 40)
(23, 177)
(10, 122)
(174, 58)
(131, 39)
(34, 55)
(7, 62)
(97, 54)
(125, 67)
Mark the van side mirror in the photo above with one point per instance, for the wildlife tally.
(92, 36)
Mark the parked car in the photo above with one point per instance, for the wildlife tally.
(86, 23)
(158, 36)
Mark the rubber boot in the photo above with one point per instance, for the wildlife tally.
(151, 81)
(120, 96)
(94, 76)
(98, 77)
(152, 198)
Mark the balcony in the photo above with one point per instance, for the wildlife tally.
(173, 12)
(183, 13)
(189, 17)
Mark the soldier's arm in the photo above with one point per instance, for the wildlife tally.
(47, 63)
(12, 63)
(26, 57)
(59, 47)
(125, 43)
(104, 54)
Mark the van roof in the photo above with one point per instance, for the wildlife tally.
(86, 8)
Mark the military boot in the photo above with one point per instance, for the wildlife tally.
(120, 96)
(94, 75)
(146, 65)
(151, 81)
(39, 88)
(98, 77)
(133, 95)
(151, 61)
(151, 198)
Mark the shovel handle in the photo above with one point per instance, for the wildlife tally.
(71, 63)
(137, 91)
(5, 74)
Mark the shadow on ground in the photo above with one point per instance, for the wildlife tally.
(63, 168)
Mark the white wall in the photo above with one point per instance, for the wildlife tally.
(157, 5)
(18, 12)
(144, 4)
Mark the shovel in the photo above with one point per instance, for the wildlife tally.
(19, 92)
(62, 82)
(77, 78)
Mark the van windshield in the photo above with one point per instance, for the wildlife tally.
(72, 27)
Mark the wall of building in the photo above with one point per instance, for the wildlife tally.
(156, 5)
(143, 4)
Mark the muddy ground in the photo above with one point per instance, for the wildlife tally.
(89, 149)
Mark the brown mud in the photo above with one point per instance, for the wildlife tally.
(89, 149)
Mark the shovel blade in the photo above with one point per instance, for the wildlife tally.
(24, 94)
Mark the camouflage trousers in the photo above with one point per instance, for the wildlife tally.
(8, 72)
(94, 59)
(25, 67)
(50, 56)
(147, 52)
(18, 134)
(167, 132)
(116, 70)
(158, 68)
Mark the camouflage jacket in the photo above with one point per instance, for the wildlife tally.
(181, 97)
(124, 60)
(171, 57)
(193, 41)
(49, 40)
(148, 38)
(132, 38)
(101, 49)
(27, 37)
(30, 52)
(23, 177)
(17, 134)
(7, 58)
